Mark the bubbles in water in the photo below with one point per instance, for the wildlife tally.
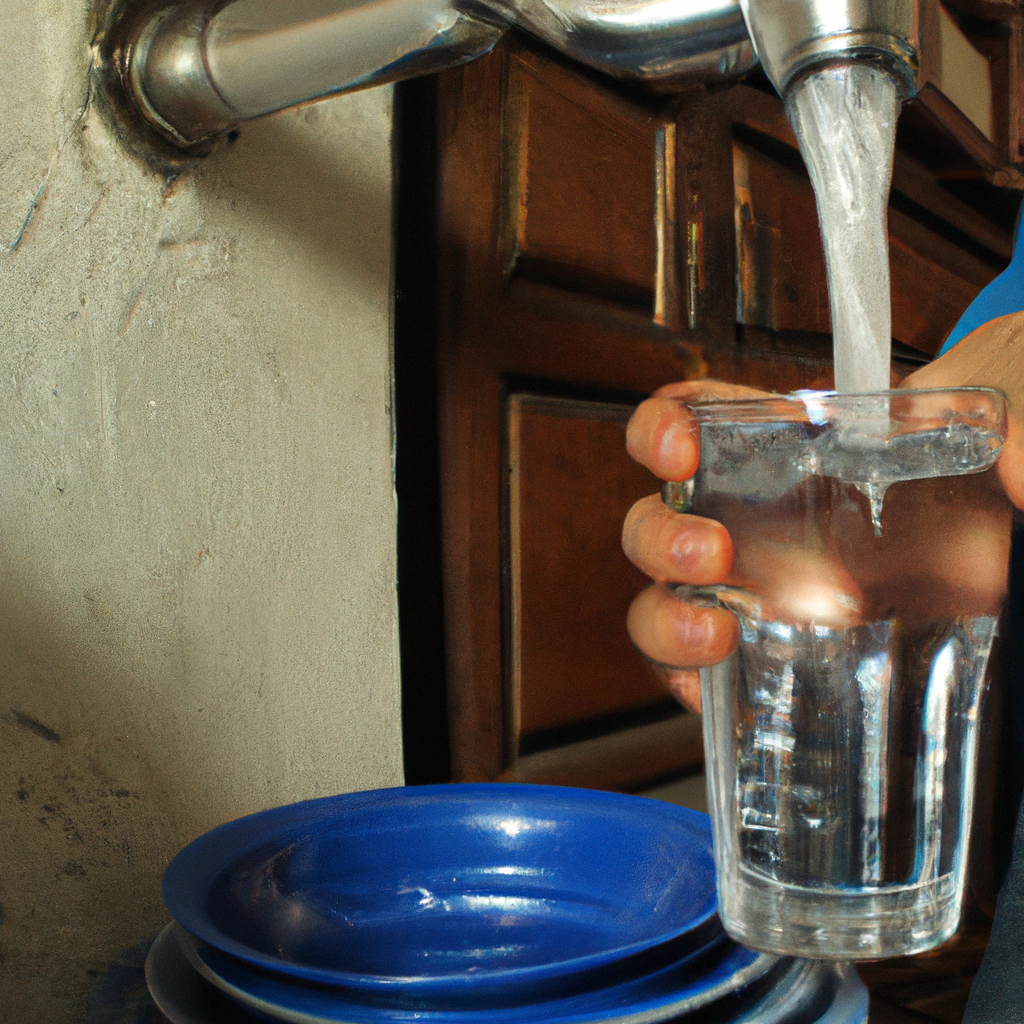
(842, 733)
(762, 462)
(953, 450)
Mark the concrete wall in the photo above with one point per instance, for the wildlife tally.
(197, 614)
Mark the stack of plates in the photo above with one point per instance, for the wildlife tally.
(469, 904)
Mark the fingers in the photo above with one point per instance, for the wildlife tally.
(989, 357)
(662, 435)
(1010, 466)
(673, 548)
(684, 685)
(674, 633)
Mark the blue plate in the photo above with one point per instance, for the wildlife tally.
(443, 891)
(727, 981)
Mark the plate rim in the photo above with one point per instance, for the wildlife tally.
(666, 1008)
(190, 875)
(165, 950)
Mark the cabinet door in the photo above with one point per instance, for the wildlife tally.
(595, 243)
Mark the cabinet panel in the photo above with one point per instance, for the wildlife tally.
(592, 243)
(571, 229)
(781, 282)
(927, 297)
(570, 486)
(780, 267)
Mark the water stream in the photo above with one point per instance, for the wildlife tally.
(844, 117)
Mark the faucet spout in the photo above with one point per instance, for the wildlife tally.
(794, 37)
(843, 67)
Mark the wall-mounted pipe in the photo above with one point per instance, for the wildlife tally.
(662, 43)
(197, 68)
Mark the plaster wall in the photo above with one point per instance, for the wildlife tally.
(197, 565)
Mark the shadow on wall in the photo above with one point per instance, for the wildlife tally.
(299, 190)
(271, 175)
(86, 829)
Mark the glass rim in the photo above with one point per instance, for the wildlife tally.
(810, 406)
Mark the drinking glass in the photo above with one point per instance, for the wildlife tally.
(871, 540)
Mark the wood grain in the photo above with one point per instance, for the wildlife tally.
(571, 484)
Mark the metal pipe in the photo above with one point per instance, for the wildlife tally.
(661, 43)
(199, 67)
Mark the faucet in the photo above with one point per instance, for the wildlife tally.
(196, 69)
(795, 37)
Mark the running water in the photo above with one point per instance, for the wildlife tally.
(844, 117)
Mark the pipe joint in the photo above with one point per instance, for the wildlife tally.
(165, 72)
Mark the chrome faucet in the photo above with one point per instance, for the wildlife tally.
(793, 37)
(197, 69)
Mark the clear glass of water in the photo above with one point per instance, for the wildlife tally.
(872, 543)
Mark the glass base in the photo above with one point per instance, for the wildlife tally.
(833, 924)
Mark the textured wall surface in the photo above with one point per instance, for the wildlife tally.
(197, 614)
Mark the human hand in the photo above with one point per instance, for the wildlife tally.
(991, 357)
(672, 548)
(679, 636)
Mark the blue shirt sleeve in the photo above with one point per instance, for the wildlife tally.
(1000, 297)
